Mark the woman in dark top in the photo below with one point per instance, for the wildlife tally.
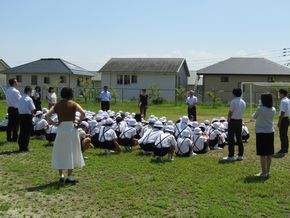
(36, 96)
(143, 102)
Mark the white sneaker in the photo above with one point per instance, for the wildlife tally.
(239, 158)
(170, 157)
(193, 154)
(228, 158)
(217, 148)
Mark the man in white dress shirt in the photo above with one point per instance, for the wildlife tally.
(105, 99)
(12, 97)
(191, 101)
(235, 122)
(26, 108)
(283, 123)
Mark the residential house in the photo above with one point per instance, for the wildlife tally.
(3, 66)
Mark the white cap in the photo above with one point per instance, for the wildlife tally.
(132, 122)
(100, 111)
(197, 131)
(99, 117)
(44, 110)
(38, 113)
(222, 119)
(152, 120)
(216, 125)
(202, 125)
(170, 122)
(93, 123)
(109, 121)
(158, 124)
(184, 119)
(85, 124)
(214, 120)
(169, 128)
(206, 122)
(194, 124)
(185, 134)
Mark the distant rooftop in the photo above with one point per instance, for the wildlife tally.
(245, 66)
(49, 65)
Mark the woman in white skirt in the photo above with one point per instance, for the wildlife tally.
(66, 154)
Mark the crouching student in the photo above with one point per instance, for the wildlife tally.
(94, 133)
(165, 144)
(108, 137)
(4, 123)
(40, 125)
(85, 139)
(147, 142)
(127, 137)
(50, 133)
(200, 141)
(214, 136)
(184, 145)
(245, 133)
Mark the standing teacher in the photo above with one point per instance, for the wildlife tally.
(105, 99)
(143, 102)
(191, 101)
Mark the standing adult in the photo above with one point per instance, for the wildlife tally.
(235, 122)
(283, 123)
(143, 102)
(12, 97)
(51, 97)
(26, 109)
(191, 101)
(264, 129)
(105, 99)
(36, 96)
(67, 154)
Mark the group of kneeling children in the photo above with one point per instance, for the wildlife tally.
(160, 137)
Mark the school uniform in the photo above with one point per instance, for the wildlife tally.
(39, 127)
(36, 96)
(119, 127)
(183, 147)
(52, 99)
(105, 100)
(284, 125)
(12, 98)
(191, 111)
(25, 108)
(200, 144)
(245, 133)
(127, 136)
(147, 142)
(4, 124)
(106, 137)
(180, 128)
(213, 135)
(163, 144)
(50, 133)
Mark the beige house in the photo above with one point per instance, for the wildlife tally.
(3, 66)
(222, 77)
(129, 75)
(48, 72)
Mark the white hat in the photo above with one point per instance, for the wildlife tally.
(169, 128)
(214, 120)
(38, 113)
(194, 124)
(93, 123)
(109, 121)
(197, 131)
(44, 110)
(85, 124)
(216, 125)
(162, 120)
(152, 120)
(132, 122)
(201, 125)
(226, 125)
(158, 124)
(111, 114)
(100, 111)
(206, 122)
(184, 119)
(222, 119)
(185, 134)
(99, 117)
(170, 122)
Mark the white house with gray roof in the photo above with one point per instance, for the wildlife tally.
(222, 77)
(3, 66)
(129, 75)
(49, 72)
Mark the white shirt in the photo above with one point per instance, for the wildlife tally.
(51, 129)
(165, 140)
(82, 133)
(237, 108)
(213, 133)
(12, 97)
(25, 105)
(52, 98)
(107, 134)
(264, 119)
(150, 136)
(4, 122)
(119, 127)
(128, 132)
(180, 127)
(40, 124)
(183, 145)
(245, 130)
(285, 106)
(191, 100)
(198, 141)
(105, 96)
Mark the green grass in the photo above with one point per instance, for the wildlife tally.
(130, 185)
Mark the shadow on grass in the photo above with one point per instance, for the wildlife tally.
(163, 161)
(48, 144)
(49, 188)
(278, 155)
(255, 179)
(221, 161)
(10, 152)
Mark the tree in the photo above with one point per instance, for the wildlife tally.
(85, 90)
(180, 95)
(213, 94)
(114, 94)
(154, 95)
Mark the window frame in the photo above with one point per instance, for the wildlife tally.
(127, 79)
(224, 79)
(134, 79)
(44, 80)
(33, 80)
(119, 79)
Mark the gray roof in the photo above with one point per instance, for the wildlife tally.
(244, 66)
(4, 64)
(49, 65)
(97, 76)
(144, 65)
(192, 79)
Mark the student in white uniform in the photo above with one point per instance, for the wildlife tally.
(26, 109)
(165, 144)
(40, 124)
(94, 133)
(147, 142)
(51, 133)
(200, 141)
(108, 137)
(119, 125)
(4, 123)
(84, 135)
(182, 126)
(127, 137)
(184, 145)
(245, 133)
(191, 101)
(214, 136)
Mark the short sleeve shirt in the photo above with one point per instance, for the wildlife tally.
(25, 105)
(12, 97)
(237, 107)
(183, 145)
(285, 106)
(128, 132)
(107, 134)
(165, 140)
(198, 141)
(191, 100)
(40, 125)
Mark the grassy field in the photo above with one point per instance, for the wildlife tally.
(131, 185)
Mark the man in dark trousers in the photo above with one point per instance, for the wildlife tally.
(283, 123)
(191, 101)
(105, 99)
(26, 108)
(235, 120)
(12, 97)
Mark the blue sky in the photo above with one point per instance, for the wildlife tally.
(89, 32)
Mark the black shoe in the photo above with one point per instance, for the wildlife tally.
(61, 180)
(71, 182)
(9, 140)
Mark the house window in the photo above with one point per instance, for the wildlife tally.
(62, 79)
(134, 79)
(46, 80)
(33, 80)
(119, 79)
(19, 79)
(271, 79)
(224, 79)
(127, 79)
(78, 82)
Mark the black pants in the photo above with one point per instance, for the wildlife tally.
(105, 105)
(191, 113)
(25, 121)
(143, 109)
(13, 124)
(283, 132)
(235, 129)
